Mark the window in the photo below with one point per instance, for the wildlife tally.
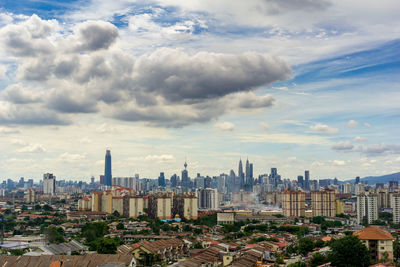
(382, 248)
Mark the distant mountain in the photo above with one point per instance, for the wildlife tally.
(381, 179)
(372, 179)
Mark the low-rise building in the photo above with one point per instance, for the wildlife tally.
(378, 241)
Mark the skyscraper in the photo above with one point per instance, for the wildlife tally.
(185, 177)
(247, 171)
(251, 174)
(49, 184)
(307, 180)
(161, 179)
(240, 173)
(107, 169)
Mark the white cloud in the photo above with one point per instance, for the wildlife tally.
(338, 163)
(70, 157)
(323, 128)
(18, 142)
(3, 71)
(352, 123)
(4, 130)
(366, 124)
(34, 148)
(283, 138)
(164, 158)
(343, 146)
(264, 126)
(360, 139)
(225, 126)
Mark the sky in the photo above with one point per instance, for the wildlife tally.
(292, 84)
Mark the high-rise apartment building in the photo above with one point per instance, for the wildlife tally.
(107, 169)
(323, 203)
(208, 199)
(367, 207)
(49, 184)
(300, 181)
(395, 203)
(293, 203)
(30, 195)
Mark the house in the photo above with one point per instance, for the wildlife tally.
(378, 241)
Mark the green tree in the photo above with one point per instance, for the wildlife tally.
(319, 243)
(298, 264)
(349, 251)
(47, 208)
(92, 231)
(17, 252)
(305, 245)
(120, 226)
(116, 213)
(53, 235)
(317, 259)
(107, 246)
(396, 250)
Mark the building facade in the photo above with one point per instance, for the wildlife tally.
(293, 203)
(323, 203)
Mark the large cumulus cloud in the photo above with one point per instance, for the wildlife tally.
(84, 72)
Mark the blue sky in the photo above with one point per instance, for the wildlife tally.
(289, 84)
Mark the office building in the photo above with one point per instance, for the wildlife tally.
(323, 203)
(307, 180)
(161, 180)
(293, 203)
(49, 184)
(300, 181)
(107, 169)
(367, 208)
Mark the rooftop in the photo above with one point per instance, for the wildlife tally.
(373, 233)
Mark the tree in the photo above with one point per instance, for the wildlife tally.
(318, 259)
(120, 226)
(349, 251)
(92, 231)
(319, 243)
(396, 250)
(53, 235)
(116, 213)
(107, 246)
(305, 245)
(17, 252)
(298, 264)
(47, 208)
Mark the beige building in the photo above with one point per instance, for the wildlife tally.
(117, 204)
(378, 241)
(96, 201)
(293, 203)
(85, 203)
(136, 205)
(30, 195)
(225, 217)
(160, 206)
(242, 197)
(323, 203)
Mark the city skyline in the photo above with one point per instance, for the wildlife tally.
(296, 85)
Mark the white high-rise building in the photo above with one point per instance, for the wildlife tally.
(49, 184)
(367, 207)
(395, 203)
(348, 188)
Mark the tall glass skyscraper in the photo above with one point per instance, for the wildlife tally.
(107, 169)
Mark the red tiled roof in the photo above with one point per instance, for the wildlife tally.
(373, 233)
